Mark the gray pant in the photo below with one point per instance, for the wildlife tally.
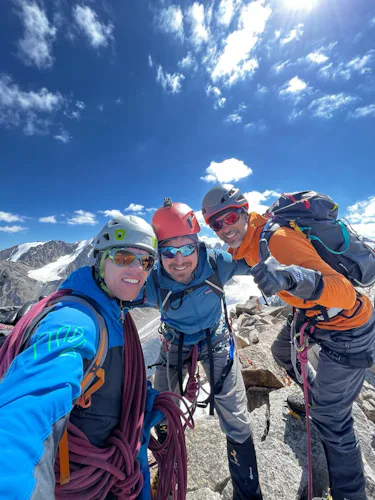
(230, 404)
(334, 390)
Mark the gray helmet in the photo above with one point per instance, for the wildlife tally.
(220, 198)
(126, 231)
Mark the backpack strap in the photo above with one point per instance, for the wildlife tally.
(272, 225)
(93, 370)
(168, 298)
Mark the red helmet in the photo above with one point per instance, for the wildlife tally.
(173, 220)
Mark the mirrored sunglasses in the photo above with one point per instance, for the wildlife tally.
(123, 258)
(171, 252)
(229, 219)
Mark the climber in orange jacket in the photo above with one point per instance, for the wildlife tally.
(292, 269)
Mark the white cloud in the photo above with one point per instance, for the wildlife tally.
(361, 64)
(226, 171)
(12, 229)
(12, 97)
(50, 219)
(330, 71)
(364, 111)
(150, 61)
(234, 118)
(119, 101)
(294, 86)
(101, 108)
(97, 33)
(111, 213)
(170, 20)
(224, 13)
(317, 57)
(63, 136)
(35, 125)
(8, 217)
(345, 70)
(83, 217)
(188, 62)
(74, 113)
(196, 17)
(296, 113)
(367, 230)
(36, 45)
(134, 207)
(220, 103)
(362, 216)
(255, 199)
(261, 89)
(170, 83)
(151, 209)
(259, 126)
(325, 107)
(234, 62)
(215, 92)
(200, 218)
(294, 34)
(280, 66)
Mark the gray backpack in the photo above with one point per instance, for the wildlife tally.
(334, 239)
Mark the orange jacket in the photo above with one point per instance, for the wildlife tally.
(292, 247)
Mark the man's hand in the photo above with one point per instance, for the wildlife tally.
(273, 277)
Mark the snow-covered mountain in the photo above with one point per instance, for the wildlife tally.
(33, 269)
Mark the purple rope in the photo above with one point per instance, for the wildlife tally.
(303, 359)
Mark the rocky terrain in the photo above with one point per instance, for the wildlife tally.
(280, 438)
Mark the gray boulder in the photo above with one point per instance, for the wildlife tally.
(207, 452)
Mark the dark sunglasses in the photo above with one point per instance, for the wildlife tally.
(171, 252)
(229, 219)
(123, 258)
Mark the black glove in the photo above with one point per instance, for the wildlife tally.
(273, 277)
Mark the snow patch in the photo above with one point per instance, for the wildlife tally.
(21, 249)
(239, 291)
(52, 271)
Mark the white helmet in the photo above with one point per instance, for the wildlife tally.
(126, 231)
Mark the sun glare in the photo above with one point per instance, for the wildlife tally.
(299, 4)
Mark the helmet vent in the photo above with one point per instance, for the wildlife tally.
(106, 236)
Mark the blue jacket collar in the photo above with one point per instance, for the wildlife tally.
(82, 281)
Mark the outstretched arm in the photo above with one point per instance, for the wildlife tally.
(36, 396)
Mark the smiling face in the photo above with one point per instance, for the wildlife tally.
(233, 234)
(125, 282)
(180, 268)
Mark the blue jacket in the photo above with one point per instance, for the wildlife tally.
(202, 308)
(38, 390)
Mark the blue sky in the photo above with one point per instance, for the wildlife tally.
(111, 106)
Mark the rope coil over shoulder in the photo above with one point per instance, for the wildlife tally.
(94, 472)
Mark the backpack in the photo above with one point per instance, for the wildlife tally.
(18, 339)
(315, 215)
